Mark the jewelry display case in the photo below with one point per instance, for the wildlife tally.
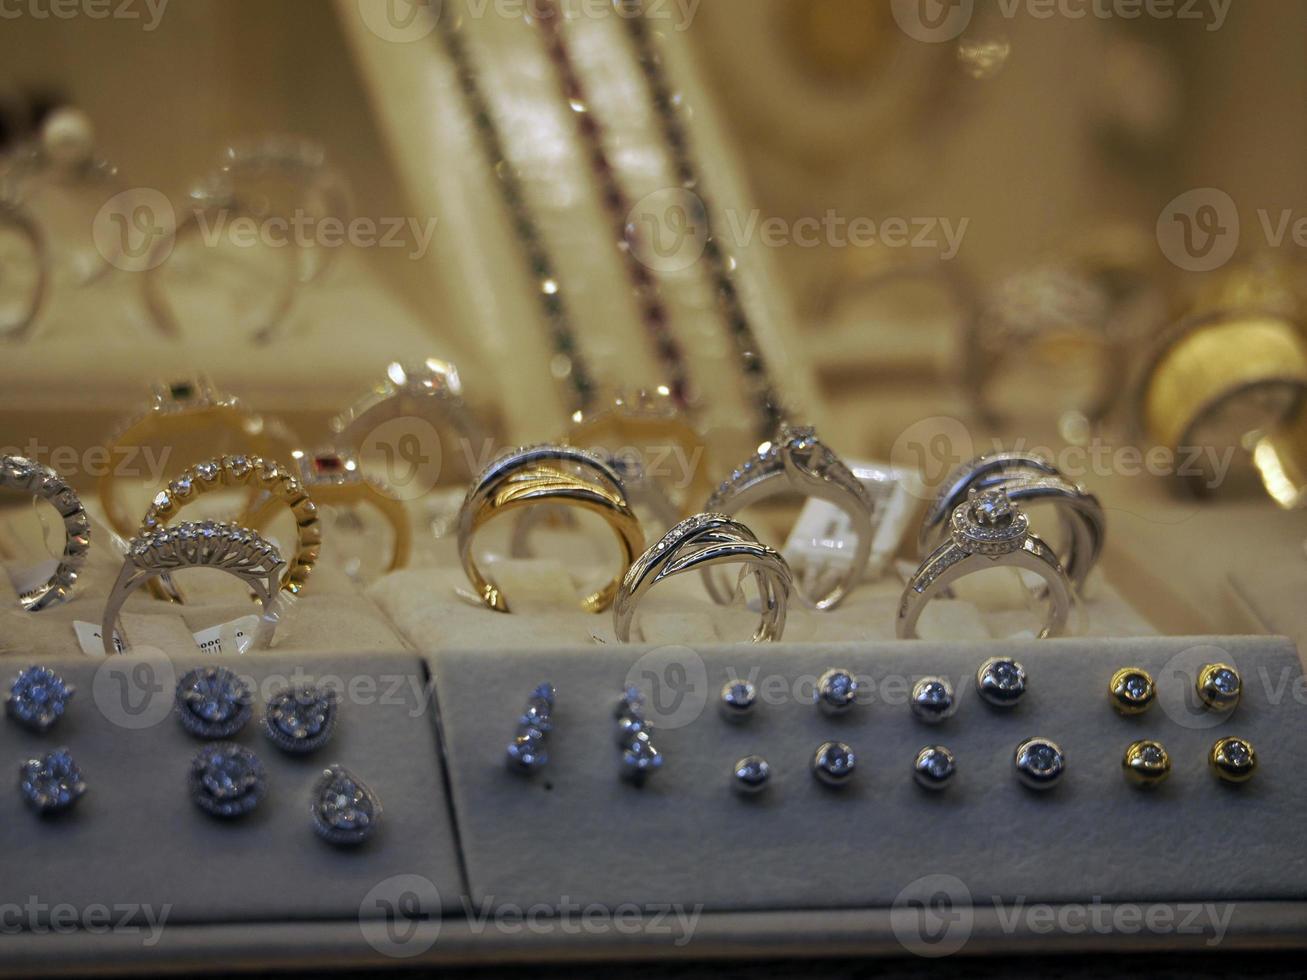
(479, 345)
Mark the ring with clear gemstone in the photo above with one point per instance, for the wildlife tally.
(932, 700)
(833, 763)
(837, 691)
(37, 698)
(212, 702)
(1001, 681)
(301, 718)
(751, 774)
(933, 767)
(1040, 763)
(737, 700)
(345, 811)
(227, 780)
(52, 782)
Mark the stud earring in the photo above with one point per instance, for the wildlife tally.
(751, 775)
(934, 767)
(1001, 681)
(1219, 687)
(1233, 759)
(37, 698)
(301, 719)
(640, 759)
(212, 702)
(1146, 764)
(227, 780)
(833, 763)
(526, 752)
(738, 700)
(1040, 763)
(52, 782)
(345, 811)
(932, 700)
(1132, 690)
(837, 691)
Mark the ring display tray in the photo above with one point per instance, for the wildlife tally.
(514, 868)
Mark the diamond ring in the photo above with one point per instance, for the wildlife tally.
(700, 542)
(207, 544)
(987, 531)
(18, 473)
(797, 461)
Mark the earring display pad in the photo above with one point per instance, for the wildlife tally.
(137, 840)
(687, 838)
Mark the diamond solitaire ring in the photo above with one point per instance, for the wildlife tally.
(700, 542)
(987, 531)
(18, 473)
(208, 544)
(798, 462)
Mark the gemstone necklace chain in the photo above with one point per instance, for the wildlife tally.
(617, 205)
(568, 358)
(763, 394)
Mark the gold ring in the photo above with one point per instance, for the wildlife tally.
(258, 475)
(335, 480)
(178, 414)
(556, 475)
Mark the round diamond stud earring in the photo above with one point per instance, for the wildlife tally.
(751, 775)
(1146, 763)
(1001, 681)
(227, 780)
(51, 783)
(1219, 687)
(837, 690)
(37, 698)
(212, 702)
(933, 700)
(301, 719)
(1233, 759)
(1040, 763)
(738, 700)
(344, 810)
(1131, 690)
(833, 763)
(934, 767)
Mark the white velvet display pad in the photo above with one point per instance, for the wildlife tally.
(136, 836)
(580, 834)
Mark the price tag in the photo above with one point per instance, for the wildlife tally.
(235, 636)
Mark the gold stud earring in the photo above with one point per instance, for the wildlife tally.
(1132, 690)
(1233, 759)
(1219, 686)
(1146, 764)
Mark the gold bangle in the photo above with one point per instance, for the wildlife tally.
(336, 481)
(556, 475)
(177, 412)
(258, 475)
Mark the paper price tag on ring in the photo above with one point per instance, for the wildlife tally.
(234, 636)
(822, 539)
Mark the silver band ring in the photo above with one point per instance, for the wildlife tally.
(19, 473)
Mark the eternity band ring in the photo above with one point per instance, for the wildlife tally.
(987, 531)
(206, 544)
(797, 461)
(24, 475)
(697, 543)
(554, 475)
(256, 474)
(1027, 478)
